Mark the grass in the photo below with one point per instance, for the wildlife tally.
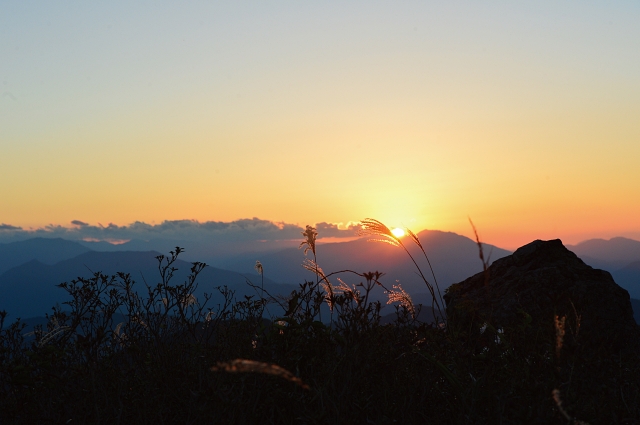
(268, 359)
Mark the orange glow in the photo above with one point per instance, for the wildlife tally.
(439, 117)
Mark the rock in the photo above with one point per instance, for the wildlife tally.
(539, 281)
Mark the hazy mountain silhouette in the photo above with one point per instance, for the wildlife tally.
(629, 278)
(612, 254)
(30, 269)
(213, 252)
(30, 289)
(619, 256)
(452, 256)
(635, 305)
(45, 250)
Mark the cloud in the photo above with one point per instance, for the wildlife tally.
(332, 230)
(243, 230)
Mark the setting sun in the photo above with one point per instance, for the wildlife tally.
(398, 232)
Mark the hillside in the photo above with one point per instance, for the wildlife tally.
(452, 256)
(45, 250)
(30, 289)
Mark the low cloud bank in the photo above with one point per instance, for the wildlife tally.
(243, 230)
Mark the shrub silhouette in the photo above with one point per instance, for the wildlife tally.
(121, 352)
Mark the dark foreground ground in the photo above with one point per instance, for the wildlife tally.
(176, 360)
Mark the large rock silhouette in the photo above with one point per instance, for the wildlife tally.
(539, 281)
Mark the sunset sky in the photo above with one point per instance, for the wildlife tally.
(524, 117)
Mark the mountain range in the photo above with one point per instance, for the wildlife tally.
(30, 289)
(45, 250)
(31, 269)
(453, 258)
(618, 256)
(612, 254)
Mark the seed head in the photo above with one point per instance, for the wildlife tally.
(370, 226)
(259, 268)
(309, 240)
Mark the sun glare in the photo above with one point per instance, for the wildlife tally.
(398, 232)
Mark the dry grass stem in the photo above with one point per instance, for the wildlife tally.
(485, 262)
(370, 226)
(558, 401)
(252, 366)
(559, 324)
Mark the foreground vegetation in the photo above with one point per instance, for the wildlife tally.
(119, 354)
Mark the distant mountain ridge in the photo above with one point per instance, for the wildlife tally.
(453, 257)
(629, 278)
(30, 289)
(33, 267)
(45, 250)
(619, 256)
(611, 254)
(210, 252)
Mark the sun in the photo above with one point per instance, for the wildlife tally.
(398, 232)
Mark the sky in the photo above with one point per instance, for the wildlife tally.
(522, 117)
